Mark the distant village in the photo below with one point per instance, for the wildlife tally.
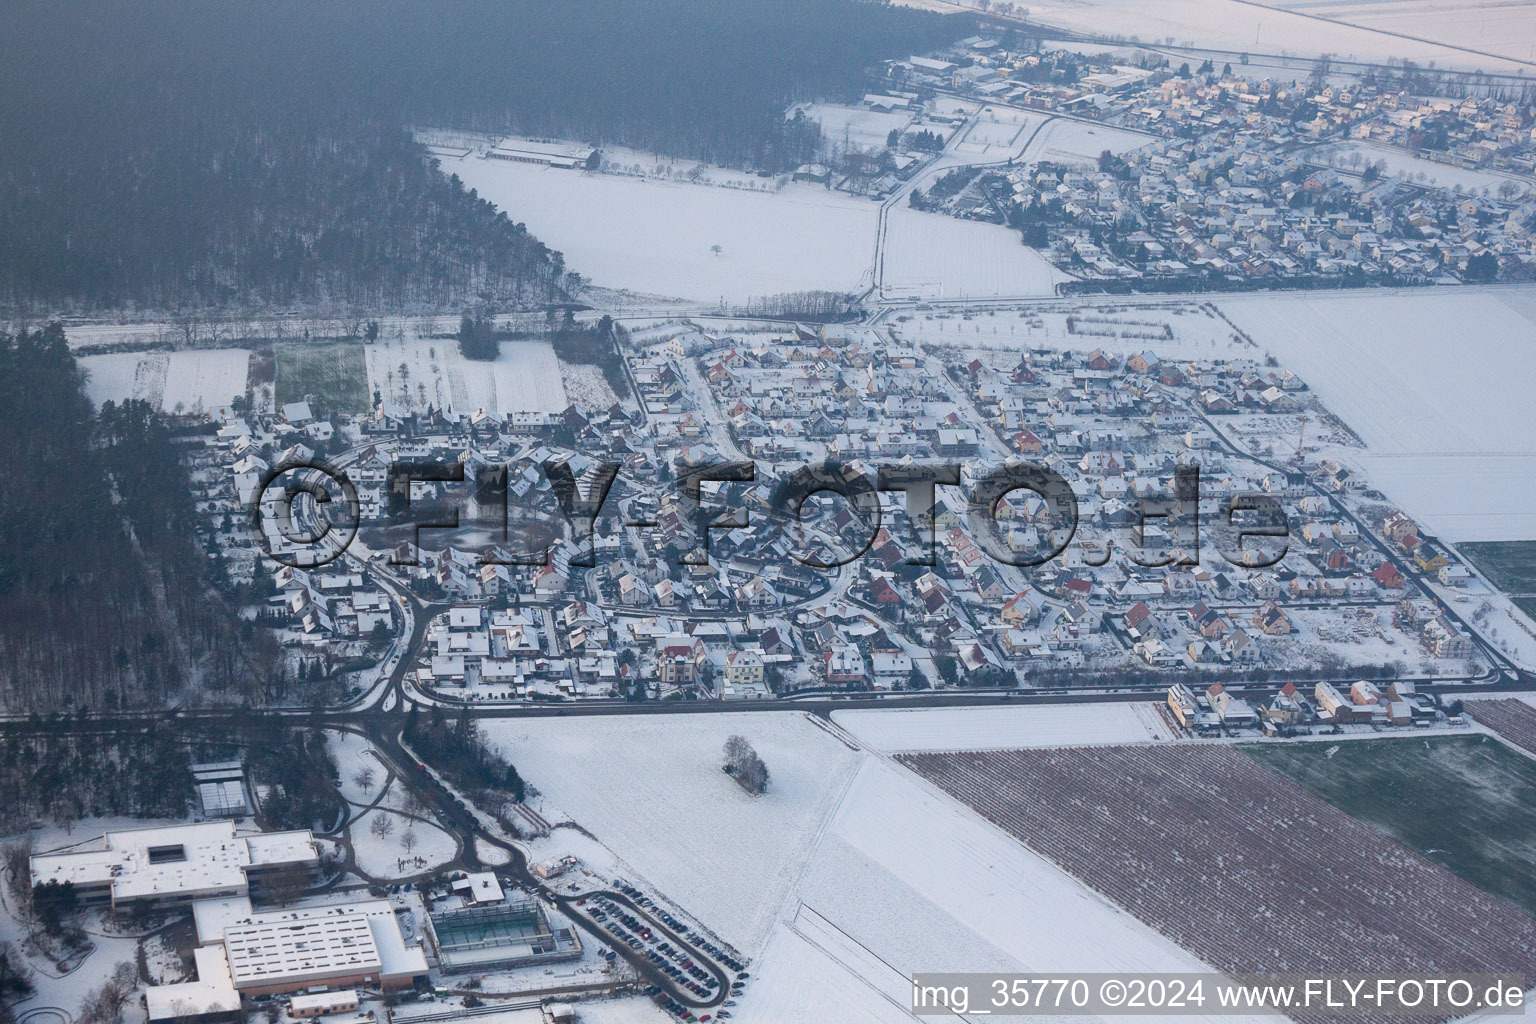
(1245, 182)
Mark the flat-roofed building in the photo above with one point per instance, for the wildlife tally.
(339, 946)
(550, 154)
(175, 863)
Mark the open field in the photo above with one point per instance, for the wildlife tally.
(1237, 27)
(651, 789)
(1509, 565)
(929, 255)
(1050, 725)
(416, 373)
(1434, 383)
(1236, 863)
(335, 374)
(1466, 802)
(658, 237)
(189, 381)
(1079, 143)
(1172, 329)
(1495, 26)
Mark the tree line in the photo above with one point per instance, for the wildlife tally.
(105, 598)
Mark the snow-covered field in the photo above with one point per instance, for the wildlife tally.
(525, 377)
(651, 789)
(658, 237)
(1198, 332)
(998, 133)
(852, 872)
(188, 381)
(1437, 385)
(1416, 168)
(929, 255)
(1239, 26)
(849, 128)
(1064, 141)
(991, 728)
(908, 880)
(1504, 27)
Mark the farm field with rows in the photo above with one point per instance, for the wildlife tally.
(1241, 866)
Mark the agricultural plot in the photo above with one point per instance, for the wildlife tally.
(1510, 717)
(1467, 803)
(1236, 863)
(188, 381)
(1510, 566)
(1504, 27)
(1235, 26)
(335, 376)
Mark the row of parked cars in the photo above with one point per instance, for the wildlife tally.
(698, 938)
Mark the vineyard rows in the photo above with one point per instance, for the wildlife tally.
(1237, 864)
(1513, 719)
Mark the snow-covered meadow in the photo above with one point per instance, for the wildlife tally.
(1435, 383)
(1197, 330)
(417, 373)
(848, 128)
(852, 872)
(186, 381)
(652, 790)
(1494, 36)
(929, 255)
(659, 236)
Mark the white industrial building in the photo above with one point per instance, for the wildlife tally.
(175, 863)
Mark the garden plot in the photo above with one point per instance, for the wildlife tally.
(853, 128)
(652, 790)
(1434, 383)
(417, 373)
(929, 255)
(189, 381)
(660, 237)
(1047, 725)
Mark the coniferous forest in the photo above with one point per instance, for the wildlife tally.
(105, 598)
(174, 154)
